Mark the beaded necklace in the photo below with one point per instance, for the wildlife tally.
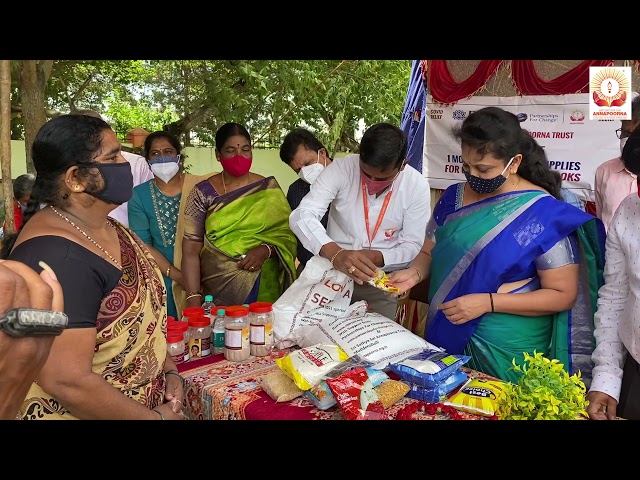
(87, 236)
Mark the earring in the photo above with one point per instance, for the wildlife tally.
(76, 187)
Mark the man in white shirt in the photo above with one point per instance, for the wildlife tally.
(615, 387)
(378, 212)
(139, 168)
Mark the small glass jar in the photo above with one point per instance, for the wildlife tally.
(192, 312)
(236, 333)
(176, 347)
(180, 326)
(199, 337)
(261, 328)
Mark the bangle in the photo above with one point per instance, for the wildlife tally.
(169, 271)
(425, 252)
(193, 295)
(335, 255)
(175, 372)
(491, 298)
(159, 413)
(268, 248)
(419, 276)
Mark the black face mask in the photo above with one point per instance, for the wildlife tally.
(487, 185)
(118, 182)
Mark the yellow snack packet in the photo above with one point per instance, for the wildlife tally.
(381, 281)
(308, 366)
(479, 397)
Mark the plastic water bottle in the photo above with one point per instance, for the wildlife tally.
(218, 332)
(209, 307)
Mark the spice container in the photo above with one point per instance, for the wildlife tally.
(191, 312)
(176, 347)
(182, 327)
(199, 337)
(261, 328)
(236, 333)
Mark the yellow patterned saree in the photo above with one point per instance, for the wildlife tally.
(130, 346)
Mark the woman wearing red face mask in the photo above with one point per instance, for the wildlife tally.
(237, 244)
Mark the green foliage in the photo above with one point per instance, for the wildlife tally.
(545, 391)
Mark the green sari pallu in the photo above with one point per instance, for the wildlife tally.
(484, 245)
(237, 222)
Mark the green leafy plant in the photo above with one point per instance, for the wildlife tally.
(545, 391)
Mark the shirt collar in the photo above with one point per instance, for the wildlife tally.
(619, 168)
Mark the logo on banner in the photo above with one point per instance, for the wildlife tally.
(435, 114)
(522, 117)
(459, 115)
(610, 93)
(577, 117)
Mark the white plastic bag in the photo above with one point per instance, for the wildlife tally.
(320, 292)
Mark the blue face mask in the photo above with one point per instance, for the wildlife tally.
(487, 185)
(118, 182)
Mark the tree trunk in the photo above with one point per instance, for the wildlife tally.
(32, 84)
(5, 143)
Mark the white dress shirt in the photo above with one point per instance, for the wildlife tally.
(401, 233)
(617, 320)
(141, 173)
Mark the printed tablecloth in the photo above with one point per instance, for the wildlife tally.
(218, 389)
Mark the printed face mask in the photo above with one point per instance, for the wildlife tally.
(236, 166)
(487, 185)
(165, 167)
(309, 173)
(118, 182)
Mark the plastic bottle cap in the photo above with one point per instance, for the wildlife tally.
(170, 318)
(175, 336)
(193, 312)
(178, 326)
(208, 298)
(199, 321)
(221, 312)
(260, 307)
(236, 311)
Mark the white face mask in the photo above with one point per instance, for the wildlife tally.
(309, 173)
(622, 142)
(165, 171)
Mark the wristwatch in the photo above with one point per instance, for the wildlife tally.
(32, 322)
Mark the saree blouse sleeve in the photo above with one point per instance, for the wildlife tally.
(195, 213)
(565, 252)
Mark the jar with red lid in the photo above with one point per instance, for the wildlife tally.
(261, 328)
(176, 347)
(236, 333)
(191, 312)
(199, 337)
(182, 327)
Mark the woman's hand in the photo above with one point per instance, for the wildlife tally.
(169, 410)
(601, 406)
(254, 258)
(466, 308)
(404, 279)
(174, 390)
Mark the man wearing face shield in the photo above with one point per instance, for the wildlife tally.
(308, 157)
(615, 388)
(613, 182)
(378, 212)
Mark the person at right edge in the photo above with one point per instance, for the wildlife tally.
(512, 267)
(615, 389)
(378, 211)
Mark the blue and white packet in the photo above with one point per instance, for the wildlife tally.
(435, 394)
(428, 368)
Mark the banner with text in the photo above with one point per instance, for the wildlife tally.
(574, 144)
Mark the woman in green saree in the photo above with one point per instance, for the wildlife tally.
(512, 267)
(237, 244)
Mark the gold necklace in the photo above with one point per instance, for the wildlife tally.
(225, 187)
(85, 234)
(517, 183)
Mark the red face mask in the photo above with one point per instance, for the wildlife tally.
(236, 166)
(376, 186)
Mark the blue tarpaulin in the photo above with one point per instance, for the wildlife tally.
(413, 116)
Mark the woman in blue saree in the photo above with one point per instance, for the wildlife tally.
(512, 268)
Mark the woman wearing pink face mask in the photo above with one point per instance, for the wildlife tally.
(237, 244)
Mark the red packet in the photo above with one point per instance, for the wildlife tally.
(356, 396)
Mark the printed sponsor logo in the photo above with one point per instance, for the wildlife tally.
(609, 92)
(459, 114)
(522, 117)
(544, 117)
(435, 114)
(577, 117)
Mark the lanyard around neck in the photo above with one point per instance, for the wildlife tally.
(365, 203)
